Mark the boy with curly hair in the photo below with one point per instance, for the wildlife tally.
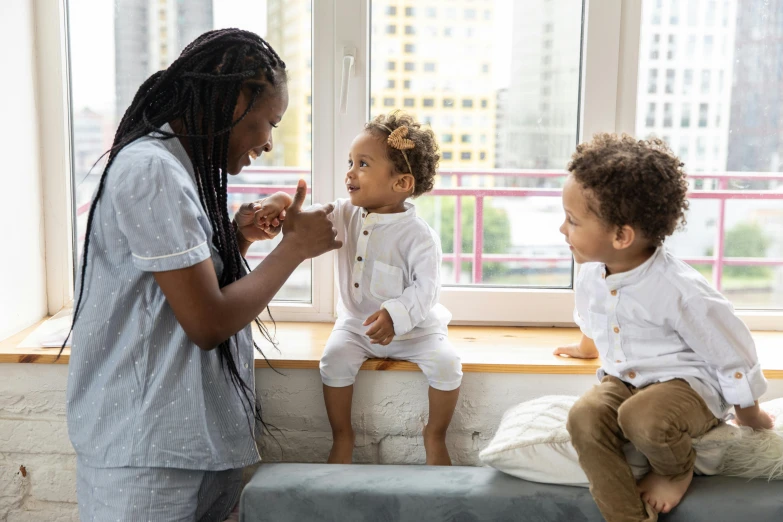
(388, 277)
(675, 357)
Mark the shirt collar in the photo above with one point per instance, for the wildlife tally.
(384, 219)
(175, 147)
(632, 276)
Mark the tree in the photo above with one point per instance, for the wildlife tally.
(745, 240)
(497, 227)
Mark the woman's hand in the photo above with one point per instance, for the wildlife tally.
(262, 219)
(308, 233)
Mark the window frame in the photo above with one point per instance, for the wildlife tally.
(608, 99)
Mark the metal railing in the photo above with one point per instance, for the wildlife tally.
(477, 257)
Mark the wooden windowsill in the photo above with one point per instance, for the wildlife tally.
(486, 349)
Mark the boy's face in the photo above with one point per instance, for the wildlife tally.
(590, 239)
(371, 180)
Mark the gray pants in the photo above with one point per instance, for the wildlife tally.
(156, 494)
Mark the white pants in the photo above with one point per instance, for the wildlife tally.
(346, 351)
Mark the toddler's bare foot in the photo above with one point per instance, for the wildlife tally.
(662, 493)
(435, 448)
(342, 449)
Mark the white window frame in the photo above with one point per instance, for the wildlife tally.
(610, 54)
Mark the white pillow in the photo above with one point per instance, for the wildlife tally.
(532, 443)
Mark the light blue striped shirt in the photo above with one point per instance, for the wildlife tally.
(140, 393)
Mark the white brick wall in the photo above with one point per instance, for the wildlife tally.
(390, 409)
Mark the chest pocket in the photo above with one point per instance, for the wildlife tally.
(386, 281)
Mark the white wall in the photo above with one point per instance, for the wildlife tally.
(22, 270)
(390, 409)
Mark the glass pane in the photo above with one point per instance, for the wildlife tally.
(498, 82)
(115, 46)
(722, 115)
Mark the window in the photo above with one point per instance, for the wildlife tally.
(429, 67)
(391, 10)
(100, 97)
(467, 104)
(391, 29)
(709, 41)
(652, 81)
(674, 12)
(409, 11)
(687, 81)
(390, 84)
(410, 66)
(465, 156)
(447, 138)
(509, 144)
(409, 29)
(655, 47)
(685, 120)
(703, 111)
(409, 102)
(670, 76)
(470, 14)
(482, 155)
(448, 103)
(671, 53)
(447, 31)
(485, 68)
(390, 66)
(428, 102)
(667, 115)
(650, 119)
(388, 102)
(410, 48)
(484, 103)
(705, 82)
(465, 138)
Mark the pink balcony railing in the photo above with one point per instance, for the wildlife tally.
(718, 260)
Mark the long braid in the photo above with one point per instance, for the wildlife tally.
(201, 89)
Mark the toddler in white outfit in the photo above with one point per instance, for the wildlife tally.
(389, 280)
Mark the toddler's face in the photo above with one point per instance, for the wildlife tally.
(589, 238)
(370, 179)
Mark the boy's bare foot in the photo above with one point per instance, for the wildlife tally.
(435, 448)
(342, 449)
(662, 493)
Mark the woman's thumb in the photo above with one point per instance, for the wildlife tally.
(299, 197)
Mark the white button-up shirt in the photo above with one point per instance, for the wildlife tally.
(389, 261)
(663, 321)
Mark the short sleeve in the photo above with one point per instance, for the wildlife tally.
(159, 212)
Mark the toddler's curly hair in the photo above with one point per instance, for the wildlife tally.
(423, 157)
(640, 183)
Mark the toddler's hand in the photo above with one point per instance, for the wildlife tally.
(759, 421)
(577, 351)
(262, 219)
(382, 329)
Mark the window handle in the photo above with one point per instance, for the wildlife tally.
(349, 59)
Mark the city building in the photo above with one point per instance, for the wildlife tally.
(149, 35)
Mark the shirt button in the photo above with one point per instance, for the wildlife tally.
(618, 361)
(246, 366)
(616, 329)
(632, 375)
(364, 215)
(359, 258)
(603, 276)
(738, 375)
(614, 292)
(356, 285)
(366, 233)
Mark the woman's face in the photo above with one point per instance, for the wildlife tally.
(253, 135)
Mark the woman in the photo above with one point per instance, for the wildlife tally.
(161, 406)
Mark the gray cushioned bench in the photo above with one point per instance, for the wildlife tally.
(302, 492)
